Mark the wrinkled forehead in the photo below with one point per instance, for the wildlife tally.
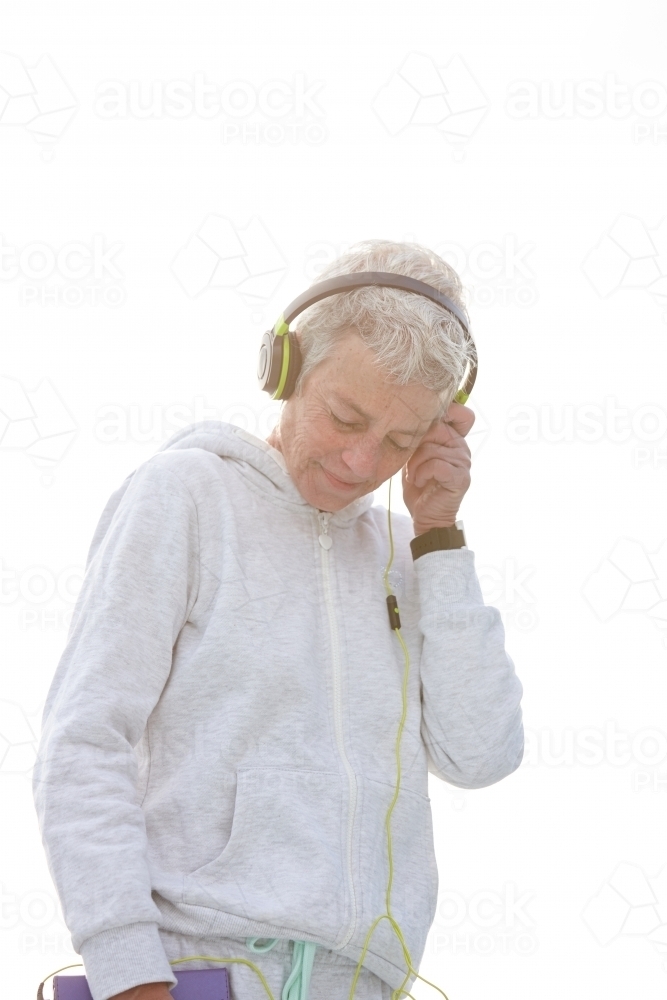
(352, 377)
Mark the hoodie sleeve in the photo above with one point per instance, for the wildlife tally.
(471, 716)
(139, 589)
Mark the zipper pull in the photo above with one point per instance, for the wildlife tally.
(325, 539)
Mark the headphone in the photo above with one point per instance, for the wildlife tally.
(280, 358)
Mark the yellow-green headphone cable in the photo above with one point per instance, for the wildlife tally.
(396, 994)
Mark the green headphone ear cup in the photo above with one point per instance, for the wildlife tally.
(294, 366)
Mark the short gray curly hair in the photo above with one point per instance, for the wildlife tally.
(414, 339)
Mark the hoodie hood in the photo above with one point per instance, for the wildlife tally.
(264, 463)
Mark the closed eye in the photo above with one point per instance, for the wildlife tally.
(343, 423)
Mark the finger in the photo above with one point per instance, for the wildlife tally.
(458, 456)
(445, 472)
(445, 430)
(428, 449)
(460, 417)
(425, 472)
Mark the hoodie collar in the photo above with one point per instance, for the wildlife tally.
(265, 463)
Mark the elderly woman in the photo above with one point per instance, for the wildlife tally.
(219, 747)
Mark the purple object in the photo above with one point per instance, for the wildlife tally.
(193, 984)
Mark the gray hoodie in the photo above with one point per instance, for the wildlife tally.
(218, 751)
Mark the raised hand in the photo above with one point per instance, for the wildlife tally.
(437, 476)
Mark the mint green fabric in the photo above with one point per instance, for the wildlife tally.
(303, 956)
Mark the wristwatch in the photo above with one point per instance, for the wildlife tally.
(439, 538)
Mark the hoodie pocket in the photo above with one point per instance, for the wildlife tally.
(414, 888)
(283, 862)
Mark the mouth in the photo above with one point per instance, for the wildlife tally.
(340, 484)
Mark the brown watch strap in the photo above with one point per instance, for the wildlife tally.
(438, 538)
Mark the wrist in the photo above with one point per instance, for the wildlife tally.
(437, 538)
(421, 529)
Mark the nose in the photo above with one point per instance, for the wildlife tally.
(362, 458)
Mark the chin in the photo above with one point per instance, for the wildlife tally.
(317, 495)
(325, 501)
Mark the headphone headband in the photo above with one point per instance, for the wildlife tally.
(280, 359)
(361, 279)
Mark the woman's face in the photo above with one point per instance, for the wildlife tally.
(351, 428)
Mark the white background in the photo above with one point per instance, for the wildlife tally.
(408, 128)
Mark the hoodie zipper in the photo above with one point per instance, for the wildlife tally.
(326, 542)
